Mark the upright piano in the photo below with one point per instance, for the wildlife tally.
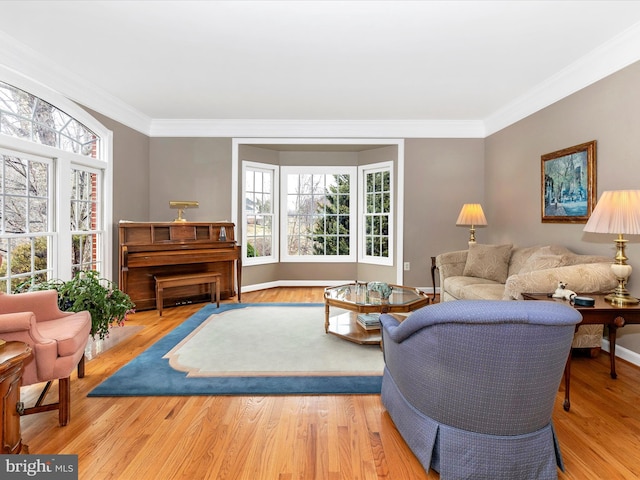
(149, 249)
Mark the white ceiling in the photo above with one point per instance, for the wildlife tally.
(161, 66)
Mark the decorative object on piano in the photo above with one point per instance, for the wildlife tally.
(181, 205)
(223, 234)
(107, 304)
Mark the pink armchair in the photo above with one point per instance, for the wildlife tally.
(58, 340)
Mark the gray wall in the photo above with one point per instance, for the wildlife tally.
(131, 184)
(502, 172)
(190, 169)
(440, 176)
(609, 112)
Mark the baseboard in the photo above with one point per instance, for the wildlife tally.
(292, 283)
(623, 353)
(307, 283)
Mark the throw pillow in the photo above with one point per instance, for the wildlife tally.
(488, 261)
(543, 259)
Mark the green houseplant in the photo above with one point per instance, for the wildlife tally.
(107, 304)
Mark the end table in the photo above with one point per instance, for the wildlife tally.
(12, 358)
(604, 313)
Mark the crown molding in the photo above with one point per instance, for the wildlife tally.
(39, 69)
(608, 58)
(318, 128)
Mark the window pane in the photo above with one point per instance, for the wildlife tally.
(16, 215)
(317, 212)
(38, 216)
(84, 252)
(249, 181)
(84, 207)
(15, 176)
(377, 212)
(24, 258)
(258, 213)
(250, 202)
(384, 226)
(14, 126)
(25, 116)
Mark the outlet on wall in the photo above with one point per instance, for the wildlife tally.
(407, 266)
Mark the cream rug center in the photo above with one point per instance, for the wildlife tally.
(271, 340)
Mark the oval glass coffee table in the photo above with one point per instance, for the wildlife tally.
(353, 299)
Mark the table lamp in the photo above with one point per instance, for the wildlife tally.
(471, 215)
(618, 212)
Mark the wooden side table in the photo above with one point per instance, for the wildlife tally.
(12, 358)
(602, 313)
(434, 267)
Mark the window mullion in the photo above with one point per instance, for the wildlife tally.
(63, 218)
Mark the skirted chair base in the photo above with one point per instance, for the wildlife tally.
(460, 454)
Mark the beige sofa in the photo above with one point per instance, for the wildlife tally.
(503, 272)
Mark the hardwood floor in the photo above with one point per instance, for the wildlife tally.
(300, 437)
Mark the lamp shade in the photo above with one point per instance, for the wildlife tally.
(617, 211)
(471, 214)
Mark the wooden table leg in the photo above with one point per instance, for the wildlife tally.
(433, 278)
(612, 348)
(567, 383)
(326, 318)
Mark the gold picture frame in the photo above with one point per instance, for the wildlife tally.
(569, 184)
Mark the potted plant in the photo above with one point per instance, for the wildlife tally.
(107, 304)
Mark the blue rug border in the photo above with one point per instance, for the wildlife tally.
(135, 379)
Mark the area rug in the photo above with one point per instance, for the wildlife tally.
(250, 349)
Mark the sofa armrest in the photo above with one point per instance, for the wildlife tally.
(583, 278)
(451, 264)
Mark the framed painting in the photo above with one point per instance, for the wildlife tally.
(569, 184)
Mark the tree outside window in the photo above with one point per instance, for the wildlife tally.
(319, 216)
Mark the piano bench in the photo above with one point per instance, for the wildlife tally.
(162, 282)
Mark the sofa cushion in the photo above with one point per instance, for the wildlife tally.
(542, 259)
(520, 255)
(488, 261)
(467, 288)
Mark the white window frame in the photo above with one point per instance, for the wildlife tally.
(97, 232)
(353, 234)
(49, 234)
(304, 136)
(63, 162)
(274, 171)
(362, 187)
